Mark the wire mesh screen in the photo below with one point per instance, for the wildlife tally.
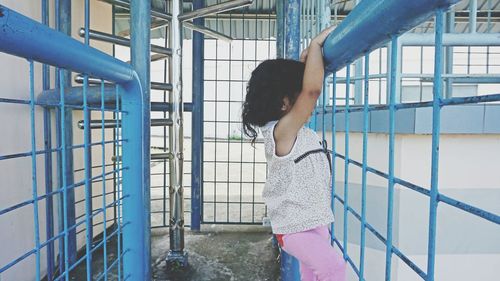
(234, 172)
(390, 162)
(62, 169)
(72, 218)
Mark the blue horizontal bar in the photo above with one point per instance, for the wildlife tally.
(72, 186)
(25, 154)
(14, 262)
(399, 181)
(110, 267)
(377, 234)
(368, 27)
(59, 235)
(74, 96)
(348, 258)
(469, 208)
(408, 262)
(17, 38)
(443, 102)
(73, 99)
(113, 264)
(369, 226)
(47, 104)
(443, 198)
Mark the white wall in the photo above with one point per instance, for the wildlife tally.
(467, 246)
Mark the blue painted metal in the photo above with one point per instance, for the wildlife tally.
(352, 24)
(64, 25)
(323, 108)
(60, 217)
(19, 31)
(197, 122)
(21, 36)
(103, 174)
(450, 28)
(118, 191)
(74, 96)
(289, 265)
(346, 162)
(390, 187)
(47, 129)
(368, 27)
(62, 125)
(436, 121)
(364, 169)
(87, 156)
(292, 29)
(280, 29)
(289, 268)
(140, 59)
(49, 206)
(34, 190)
(450, 39)
(334, 149)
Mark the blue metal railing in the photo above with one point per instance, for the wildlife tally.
(26, 38)
(378, 22)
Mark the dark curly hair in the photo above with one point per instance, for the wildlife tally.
(270, 83)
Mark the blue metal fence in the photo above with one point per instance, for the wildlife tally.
(378, 22)
(129, 103)
(26, 38)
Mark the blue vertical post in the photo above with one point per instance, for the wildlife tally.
(334, 149)
(197, 122)
(358, 70)
(324, 16)
(34, 190)
(64, 25)
(292, 29)
(47, 137)
(117, 186)
(103, 174)
(289, 264)
(392, 122)
(363, 168)
(87, 158)
(64, 182)
(436, 120)
(140, 58)
(450, 28)
(358, 90)
(280, 29)
(346, 153)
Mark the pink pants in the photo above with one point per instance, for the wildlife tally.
(318, 259)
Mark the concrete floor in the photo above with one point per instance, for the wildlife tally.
(217, 253)
(220, 253)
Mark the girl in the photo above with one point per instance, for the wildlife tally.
(281, 96)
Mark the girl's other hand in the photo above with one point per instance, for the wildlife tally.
(321, 37)
(303, 55)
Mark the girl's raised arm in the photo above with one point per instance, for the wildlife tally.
(286, 130)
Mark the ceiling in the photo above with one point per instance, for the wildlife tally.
(258, 21)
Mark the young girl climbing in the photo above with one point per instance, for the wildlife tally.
(281, 96)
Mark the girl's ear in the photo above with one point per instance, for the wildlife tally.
(287, 105)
